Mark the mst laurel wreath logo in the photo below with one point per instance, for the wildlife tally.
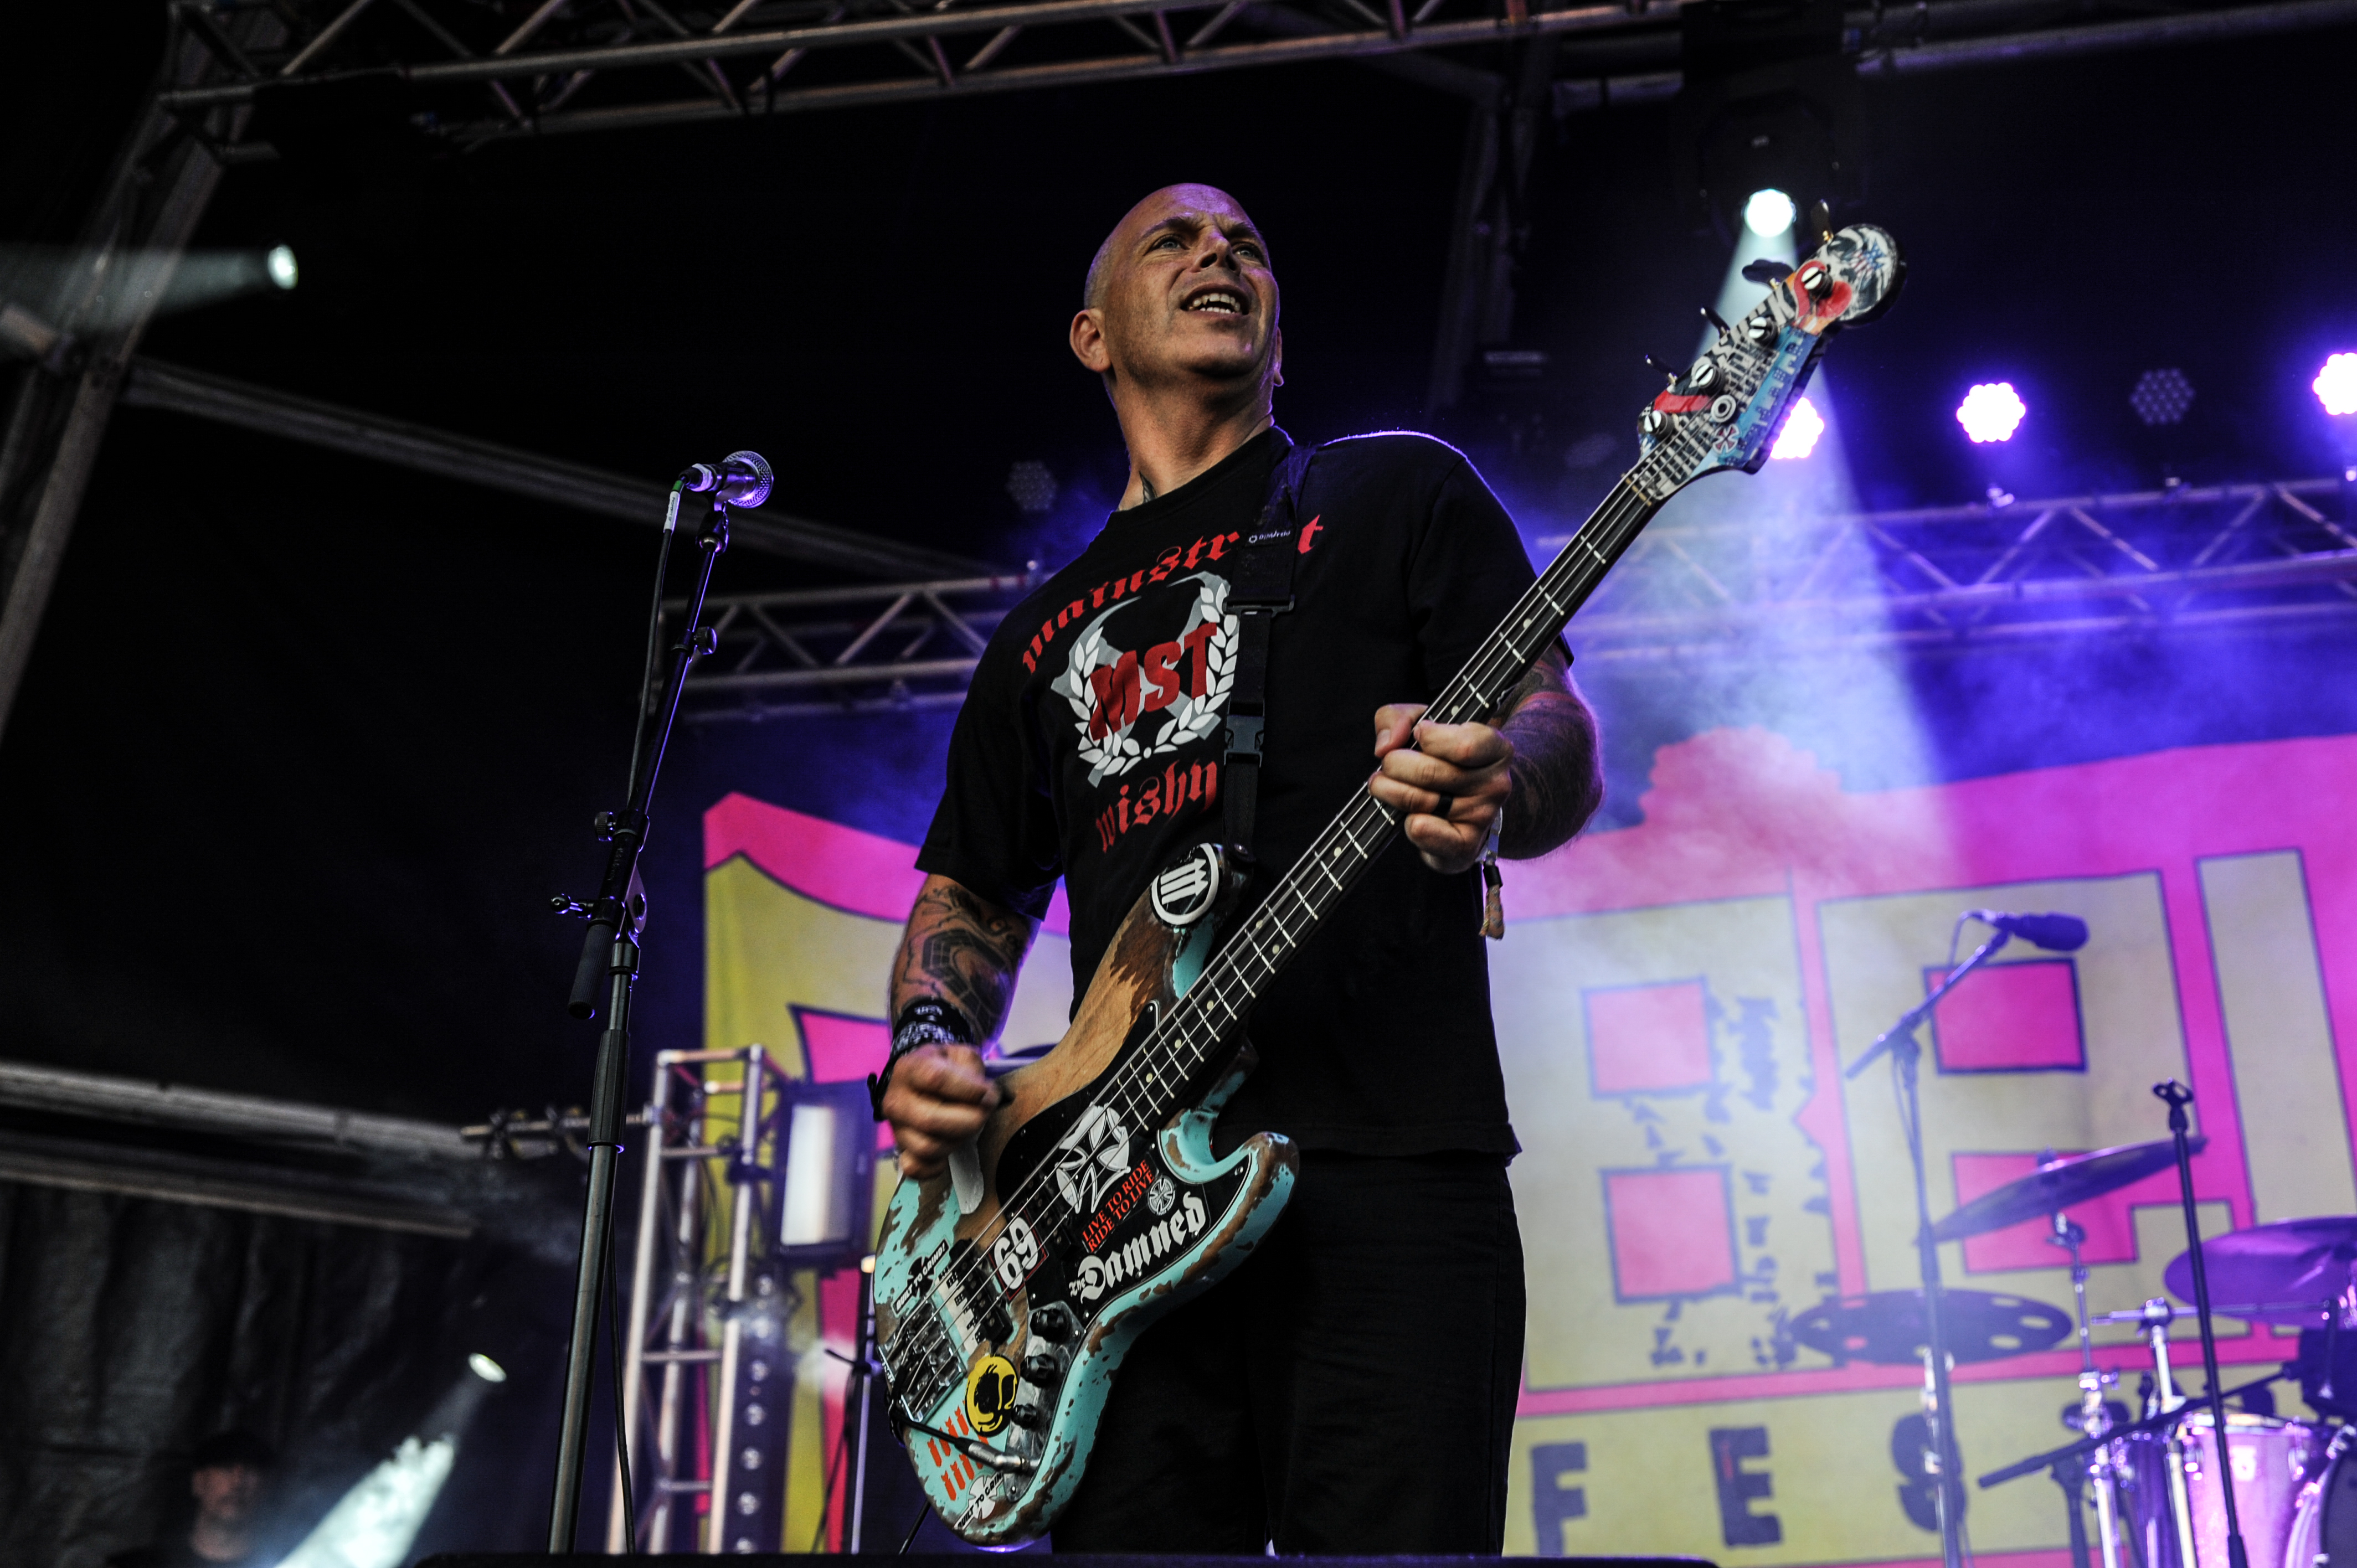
(1113, 692)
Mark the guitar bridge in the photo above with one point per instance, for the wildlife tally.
(922, 1362)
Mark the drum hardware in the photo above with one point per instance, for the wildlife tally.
(2094, 1417)
(2178, 1470)
(2057, 1185)
(2177, 1097)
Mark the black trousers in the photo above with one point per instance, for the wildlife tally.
(1350, 1389)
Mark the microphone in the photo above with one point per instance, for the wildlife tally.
(2055, 933)
(741, 478)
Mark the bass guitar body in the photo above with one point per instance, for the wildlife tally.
(1100, 1205)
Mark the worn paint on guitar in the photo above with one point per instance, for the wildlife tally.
(968, 1306)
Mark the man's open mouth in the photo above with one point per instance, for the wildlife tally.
(1220, 300)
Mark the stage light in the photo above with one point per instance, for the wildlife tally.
(281, 265)
(830, 1176)
(2162, 397)
(1769, 213)
(1992, 411)
(1031, 487)
(2336, 384)
(375, 1524)
(1799, 436)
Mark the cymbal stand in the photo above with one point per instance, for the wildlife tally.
(2177, 1097)
(2094, 1421)
(1942, 1459)
(2167, 1400)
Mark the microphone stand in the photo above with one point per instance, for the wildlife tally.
(609, 953)
(1906, 1052)
(2178, 1098)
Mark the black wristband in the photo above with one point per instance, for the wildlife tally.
(927, 1020)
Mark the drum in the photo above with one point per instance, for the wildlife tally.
(2324, 1530)
(2272, 1462)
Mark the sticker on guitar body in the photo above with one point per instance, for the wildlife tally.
(1098, 1273)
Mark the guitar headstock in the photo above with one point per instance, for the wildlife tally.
(1724, 409)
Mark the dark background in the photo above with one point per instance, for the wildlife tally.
(307, 742)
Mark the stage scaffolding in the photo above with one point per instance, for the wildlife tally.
(465, 73)
(1937, 580)
(707, 1320)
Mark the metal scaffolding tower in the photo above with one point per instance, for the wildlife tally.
(707, 1321)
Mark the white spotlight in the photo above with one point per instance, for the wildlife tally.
(281, 265)
(483, 1366)
(1769, 213)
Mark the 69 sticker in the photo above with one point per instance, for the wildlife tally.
(1015, 1254)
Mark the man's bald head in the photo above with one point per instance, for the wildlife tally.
(1093, 289)
(1180, 297)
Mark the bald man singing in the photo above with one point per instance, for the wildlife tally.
(1351, 1388)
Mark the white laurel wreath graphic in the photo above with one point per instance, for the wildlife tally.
(1189, 718)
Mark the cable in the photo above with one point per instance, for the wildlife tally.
(922, 1510)
(621, 1426)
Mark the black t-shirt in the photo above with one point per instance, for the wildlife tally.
(1089, 744)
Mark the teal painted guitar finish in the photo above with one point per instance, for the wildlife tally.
(1002, 1329)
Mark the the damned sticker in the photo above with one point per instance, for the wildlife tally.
(1100, 1273)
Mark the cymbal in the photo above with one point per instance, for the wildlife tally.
(2303, 1261)
(2057, 1186)
(1886, 1327)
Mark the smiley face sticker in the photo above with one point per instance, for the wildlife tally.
(989, 1392)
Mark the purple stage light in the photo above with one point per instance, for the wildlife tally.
(1992, 411)
(1799, 436)
(2336, 384)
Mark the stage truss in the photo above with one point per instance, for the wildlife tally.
(462, 72)
(1943, 580)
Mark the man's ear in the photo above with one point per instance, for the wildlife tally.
(1276, 341)
(1089, 341)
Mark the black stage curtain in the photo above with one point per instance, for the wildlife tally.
(130, 1328)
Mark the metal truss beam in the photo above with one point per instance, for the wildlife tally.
(2229, 558)
(150, 384)
(835, 650)
(613, 64)
(1957, 579)
(84, 335)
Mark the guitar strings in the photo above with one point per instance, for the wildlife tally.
(1621, 517)
(1127, 1094)
(1629, 510)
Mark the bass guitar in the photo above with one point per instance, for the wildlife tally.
(1003, 1316)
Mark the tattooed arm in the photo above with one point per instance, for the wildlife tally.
(1536, 761)
(964, 950)
(1557, 766)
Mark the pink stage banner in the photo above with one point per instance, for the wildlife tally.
(1675, 1002)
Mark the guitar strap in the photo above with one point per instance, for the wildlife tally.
(1259, 590)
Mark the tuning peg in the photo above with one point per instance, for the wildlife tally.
(1821, 218)
(1717, 321)
(1764, 271)
(1663, 366)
